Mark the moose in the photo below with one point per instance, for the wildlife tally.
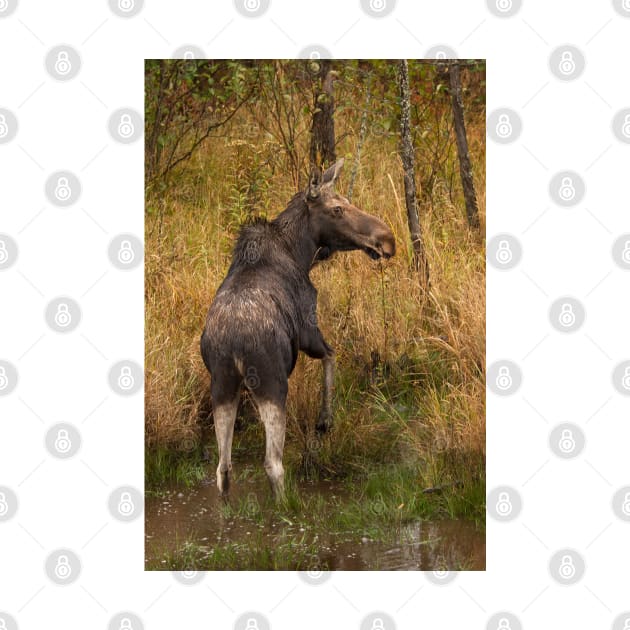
(264, 312)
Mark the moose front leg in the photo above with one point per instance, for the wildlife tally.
(313, 344)
(325, 415)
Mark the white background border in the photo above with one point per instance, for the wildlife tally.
(567, 125)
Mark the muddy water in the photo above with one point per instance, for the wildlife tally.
(195, 515)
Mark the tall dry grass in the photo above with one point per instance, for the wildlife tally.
(410, 363)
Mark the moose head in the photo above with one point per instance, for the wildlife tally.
(338, 225)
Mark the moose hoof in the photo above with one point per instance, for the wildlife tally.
(223, 483)
(323, 423)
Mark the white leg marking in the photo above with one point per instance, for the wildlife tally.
(224, 417)
(274, 418)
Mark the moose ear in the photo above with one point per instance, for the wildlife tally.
(314, 184)
(332, 173)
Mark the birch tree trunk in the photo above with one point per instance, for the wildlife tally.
(420, 262)
(322, 150)
(465, 169)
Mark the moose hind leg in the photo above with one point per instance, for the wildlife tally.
(325, 415)
(224, 418)
(273, 416)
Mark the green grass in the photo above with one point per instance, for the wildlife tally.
(375, 508)
(164, 467)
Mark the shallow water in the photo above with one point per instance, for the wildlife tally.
(195, 515)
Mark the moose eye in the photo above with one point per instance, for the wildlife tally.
(338, 210)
